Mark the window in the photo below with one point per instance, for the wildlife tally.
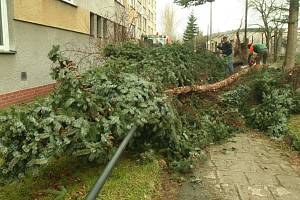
(99, 27)
(144, 24)
(92, 24)
(124, 33)
(105, 28)
(4, 39)
(131, 31)
(139, 21)
(132, 3)
(139, 7)
(118, 33)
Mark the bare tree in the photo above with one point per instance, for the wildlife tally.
(292, 35)
(273, 17)
(169, 21)
(112, 28)
(240, 49)
(279, 21)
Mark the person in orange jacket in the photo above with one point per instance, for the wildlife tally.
(261, 51)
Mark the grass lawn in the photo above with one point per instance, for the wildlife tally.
(294, 128)
(70, 179)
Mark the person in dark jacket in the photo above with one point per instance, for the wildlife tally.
(226, 48)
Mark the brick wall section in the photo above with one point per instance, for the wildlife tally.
(24, 96)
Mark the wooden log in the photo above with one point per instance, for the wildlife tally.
(210, 87)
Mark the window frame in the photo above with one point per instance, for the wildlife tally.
(5, 33)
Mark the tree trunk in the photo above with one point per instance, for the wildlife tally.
(268, 40)
(275, 45)
(292, 35)
(239, 46)
(209, 87)
(244, 48)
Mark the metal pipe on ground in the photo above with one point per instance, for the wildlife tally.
(93, 194)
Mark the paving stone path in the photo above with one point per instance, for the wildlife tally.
(246, 168)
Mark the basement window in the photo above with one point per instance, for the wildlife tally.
(4, 35)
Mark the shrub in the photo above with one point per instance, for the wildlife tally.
(294, 131)
(236, 98)
(90, 113)
(264, 100)
(297, 101)
(272, 114)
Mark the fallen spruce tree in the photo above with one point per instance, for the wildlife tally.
(91, 112)
(209, 87)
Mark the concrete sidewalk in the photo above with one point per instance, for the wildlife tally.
(248, 167)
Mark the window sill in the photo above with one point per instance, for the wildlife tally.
(8, 52)
(120, 3)
(70, 3)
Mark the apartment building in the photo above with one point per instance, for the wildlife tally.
(29, 28)
(142, 17)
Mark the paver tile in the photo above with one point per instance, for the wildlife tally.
(244, 166)
(249, 168)
(273, 169)
(227, 177)
(261, 179)
(281, 193)
(230, 192)
(289, 181)
(255, 192)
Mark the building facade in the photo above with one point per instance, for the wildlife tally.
(29, 29)
(142, 17)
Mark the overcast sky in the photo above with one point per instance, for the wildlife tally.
(227, 15)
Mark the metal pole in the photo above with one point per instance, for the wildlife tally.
(195, 36)
(211, 21)
(93, 194)
(195, 43)
(207, 38)
(246, 24)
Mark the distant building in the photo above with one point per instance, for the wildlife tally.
(29, 28)
(255, 36)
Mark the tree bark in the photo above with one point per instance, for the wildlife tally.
(209, 87)
(292, 35)
(239, 46)
(275, 46)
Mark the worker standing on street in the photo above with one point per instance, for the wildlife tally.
(262, 54)
(226, 48)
